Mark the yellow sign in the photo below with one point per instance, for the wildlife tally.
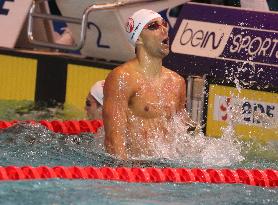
(254, 114)
(18, 78)
(79, 81)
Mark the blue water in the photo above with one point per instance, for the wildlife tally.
(107, 192)
(25, 144)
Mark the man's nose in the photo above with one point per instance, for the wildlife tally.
(85, 108)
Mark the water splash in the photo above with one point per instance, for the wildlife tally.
(27, 144)
(193, 148)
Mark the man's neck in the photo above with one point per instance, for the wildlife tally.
(149, 65)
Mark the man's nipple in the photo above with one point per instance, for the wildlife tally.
(146, 108)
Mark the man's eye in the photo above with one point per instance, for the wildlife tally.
(88, 103)
(153, 26)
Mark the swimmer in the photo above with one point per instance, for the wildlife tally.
(141, 94)
(94, 101)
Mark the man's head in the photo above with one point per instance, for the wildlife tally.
(94, 101)
(148, 29)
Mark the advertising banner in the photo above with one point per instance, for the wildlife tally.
(226, 42)
(12, 17)
(252, 113)
(239, 49)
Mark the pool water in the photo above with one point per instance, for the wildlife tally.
(34, 145)
(83, 192)
(26, 144)
(28, 110)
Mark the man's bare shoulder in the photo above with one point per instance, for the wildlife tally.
(173, 74)
(119, 73)
(119, 70)
(122, 71)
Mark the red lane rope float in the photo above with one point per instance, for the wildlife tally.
(65, 127)
(254, 177)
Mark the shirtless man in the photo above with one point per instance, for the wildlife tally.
(141, 95)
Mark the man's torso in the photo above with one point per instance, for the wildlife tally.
(151, 104)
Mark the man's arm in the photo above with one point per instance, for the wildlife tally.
(115, 113)
(182, 94)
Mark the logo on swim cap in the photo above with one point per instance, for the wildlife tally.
(137, 21)
(130, 25)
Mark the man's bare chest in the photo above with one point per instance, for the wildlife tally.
(153, 101)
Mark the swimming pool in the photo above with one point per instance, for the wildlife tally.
(108, 192)
(34, 145)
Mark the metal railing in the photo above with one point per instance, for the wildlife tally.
(81, 21)
(195, 97)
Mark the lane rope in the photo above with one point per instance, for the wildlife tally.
(254, 177)
(65, 127)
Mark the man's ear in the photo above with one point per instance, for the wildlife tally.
(139, 41)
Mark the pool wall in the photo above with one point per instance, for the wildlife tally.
(49, 77)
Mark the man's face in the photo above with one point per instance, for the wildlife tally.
(155, 38)
(93, 108)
